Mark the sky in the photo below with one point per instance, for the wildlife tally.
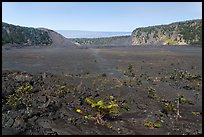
(98, 16)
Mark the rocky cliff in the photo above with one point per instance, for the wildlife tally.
(178, 33)
(27, 36)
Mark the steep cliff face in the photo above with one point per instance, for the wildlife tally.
(27, 36)
(178, 33)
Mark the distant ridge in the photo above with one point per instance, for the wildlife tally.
(90, 34)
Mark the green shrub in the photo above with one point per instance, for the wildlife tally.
(169, 107)
(196, 113)
(152, 124)
(129, 71)
(101, 109)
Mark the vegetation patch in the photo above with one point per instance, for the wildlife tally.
(101, 110)
(62, 91)
(196, 113)
(129, 71)
(151, 93)
(152, 124)
(21, 98)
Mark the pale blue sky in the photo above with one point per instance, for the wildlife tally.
(98, 16)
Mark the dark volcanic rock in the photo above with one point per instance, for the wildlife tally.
(51, 114)
(10, 131)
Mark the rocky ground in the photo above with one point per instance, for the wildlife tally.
(160, 85)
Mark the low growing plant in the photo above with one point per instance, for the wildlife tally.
(22, 97)
(169, 108)
(196, 113)
(152, 124)
(101, 109)
(129, 71)
(151, 92)
(182, 100)
(138, 82)
(62, 91)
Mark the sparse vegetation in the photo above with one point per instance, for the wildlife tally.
(138, 82)
(152, 124)
(21, 98)
(194, 81)
(129, 71)
(169, 108)
(151, 92)
(183, 100)
(196, 113)
(62, 91)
